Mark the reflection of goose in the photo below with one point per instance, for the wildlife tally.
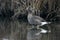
(31, 35)
(35, 20)
(42, 31)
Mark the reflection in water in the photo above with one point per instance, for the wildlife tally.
(5, 39)
(31, 35)
(36, 34)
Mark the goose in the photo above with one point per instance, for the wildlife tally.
(34, 19)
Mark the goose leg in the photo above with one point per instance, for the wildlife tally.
(38, 26)
(33, 26)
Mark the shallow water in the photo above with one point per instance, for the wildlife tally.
(31, 35)
(17, 30)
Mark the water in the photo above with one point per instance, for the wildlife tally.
(31, 35)
(17, 30)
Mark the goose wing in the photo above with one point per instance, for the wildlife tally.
(36, 20)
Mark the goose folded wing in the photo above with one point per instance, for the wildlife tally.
(36, 20)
